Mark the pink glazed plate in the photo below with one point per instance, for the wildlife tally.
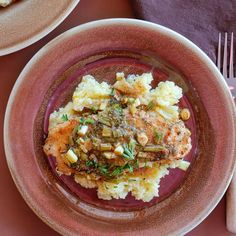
(27, 21)
(102, 48)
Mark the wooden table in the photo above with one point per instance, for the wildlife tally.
(16, 218)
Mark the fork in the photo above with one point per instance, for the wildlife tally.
(228, 75)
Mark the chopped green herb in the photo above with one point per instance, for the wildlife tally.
(126, 156)
(89, 121)
(86, 121)
(131, 100)
(91, 163)
(158, 136)
(129, 149)
(115, 186)
(94, 109)
(75, 130)
(81, 120)
(136, 164)
(127, 153)
(117, 171)
(118, 108)
(112, 92)
(132, 144)
(64, 117)
(150, 105)
(103, 169)
(129, 167)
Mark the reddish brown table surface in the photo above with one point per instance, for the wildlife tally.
(16, 218)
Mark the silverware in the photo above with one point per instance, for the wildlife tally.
(227, 70)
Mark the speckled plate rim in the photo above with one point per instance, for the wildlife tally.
(228, 176)
(42, 33)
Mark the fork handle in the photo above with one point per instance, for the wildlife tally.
(231, 205)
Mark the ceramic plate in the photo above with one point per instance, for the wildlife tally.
(27, 21)
(101, 48)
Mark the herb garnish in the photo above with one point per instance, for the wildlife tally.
(127, 152)
(103, 169)
(129, 167)
(75, 130)
(64, 117)
(158, 136)
(117, 107)
(131, 100)
(112, 92)
(109, 171)
(129, 149)
(85, 121)
(150, 105)
(91, 163)
(94, 109)
(117, 171)
(136, 164)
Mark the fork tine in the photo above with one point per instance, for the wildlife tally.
(219, 52)
(225, 58)
(231, 58)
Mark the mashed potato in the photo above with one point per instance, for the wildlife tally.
(135, 85)
(142, 186)
(55, 117)
(90, 93)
